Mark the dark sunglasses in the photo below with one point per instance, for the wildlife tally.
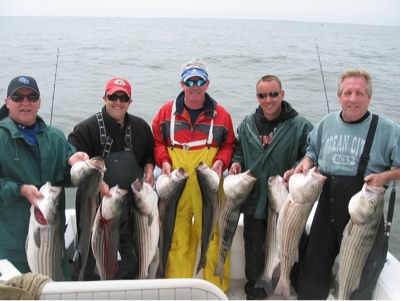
(21, 97)
(114, 97)
(191, 83)
(270, 94)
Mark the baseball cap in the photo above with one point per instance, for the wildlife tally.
(118, 84)
(192, 72)
(22, 82)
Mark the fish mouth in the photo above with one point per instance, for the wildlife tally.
(248, 172)
(40, 217)
(202, 166)
(97, 163)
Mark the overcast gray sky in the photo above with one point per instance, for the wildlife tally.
(374, 12)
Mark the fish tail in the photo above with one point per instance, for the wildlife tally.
(201, 264)
(283, 287)
(265, 283)
(219, 271)
(160, 274)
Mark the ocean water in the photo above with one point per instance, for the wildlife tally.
(73, 58)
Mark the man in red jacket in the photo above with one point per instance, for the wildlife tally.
(191, 129)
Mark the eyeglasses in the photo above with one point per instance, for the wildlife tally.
(114, 97)
(270, 94)
(21, 97)
(191, 83)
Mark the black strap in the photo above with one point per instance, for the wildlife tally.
(389, 218)
(107, 141)
(362, 166)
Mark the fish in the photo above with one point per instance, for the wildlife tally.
(105, 232)
(365, 209)
(169, 190)
(45, 240)
(146, 225)
(87, 176)
(304, 190)
(277, 194)
(236, 190)
(208, 182)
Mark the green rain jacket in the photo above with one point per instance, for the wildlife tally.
(23, 163)
(285, 151)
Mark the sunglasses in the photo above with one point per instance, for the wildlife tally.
(191, 83)
(21, 97)
(270, 94)
(114, 97)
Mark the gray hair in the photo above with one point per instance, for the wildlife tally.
(355, 73)
(194, 63)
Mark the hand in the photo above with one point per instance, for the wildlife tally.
(105, 190)
(78, 156)
(287, 175)
(304, 166)
(31, 193)
(166, 169)
(217, 167)
(235, 169)
(375, 180)
(149, 178)
(149, 174)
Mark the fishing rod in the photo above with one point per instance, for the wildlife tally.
(389, 217)
(322, 74)
(54, 88)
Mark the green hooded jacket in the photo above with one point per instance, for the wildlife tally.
(285, 151)
(24, 163)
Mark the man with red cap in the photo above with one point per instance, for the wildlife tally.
(125, 142)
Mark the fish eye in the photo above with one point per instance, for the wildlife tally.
(371, 201)
(313, 186)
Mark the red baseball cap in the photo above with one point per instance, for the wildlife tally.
(118, 84)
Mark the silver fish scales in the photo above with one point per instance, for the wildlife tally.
(105, 232)
(236, 190)
(304, 190)
(365, 210)
(277, 193)
(87, 176)
(45, 243)
(209, 182)
(146, 225)
(169, 190)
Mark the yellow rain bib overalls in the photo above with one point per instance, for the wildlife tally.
(188, 223)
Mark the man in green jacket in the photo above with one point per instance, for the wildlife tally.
(271, 140)
(31, 153)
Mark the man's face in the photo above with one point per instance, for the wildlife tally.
(117, 105)
(195, 94)
(23, 111)
(354, 99)
(270, 96)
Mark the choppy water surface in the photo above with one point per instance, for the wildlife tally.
(150, 52)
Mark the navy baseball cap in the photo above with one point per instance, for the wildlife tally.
(22, 82)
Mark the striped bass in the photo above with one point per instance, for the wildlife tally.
(277, 194)
(365, 209)
(304, 190)
(208, 182)
(88, 177)
(105, 232)
(146, 225)
(236, 190)
(45, 240)
(169, 190)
